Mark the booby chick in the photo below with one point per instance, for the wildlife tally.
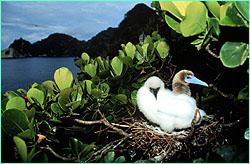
(170, 110)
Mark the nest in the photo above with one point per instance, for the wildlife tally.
(159, 146)
(142, 140)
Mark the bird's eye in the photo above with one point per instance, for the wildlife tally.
(189, 77)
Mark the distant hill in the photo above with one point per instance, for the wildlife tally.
(139, 19)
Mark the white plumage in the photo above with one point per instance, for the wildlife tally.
(170, 111)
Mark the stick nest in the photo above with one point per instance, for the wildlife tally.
(159, 146)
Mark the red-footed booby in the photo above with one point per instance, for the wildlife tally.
(169, 109)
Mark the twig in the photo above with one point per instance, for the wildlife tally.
(210, 52)
(102, 121)
(230, 96)
(74, 159)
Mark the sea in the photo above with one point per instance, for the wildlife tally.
(20, 72)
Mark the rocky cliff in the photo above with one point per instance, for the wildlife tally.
(139, 19)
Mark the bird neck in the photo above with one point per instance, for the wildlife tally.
(179, 88)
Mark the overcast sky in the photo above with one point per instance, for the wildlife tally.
(36, 20)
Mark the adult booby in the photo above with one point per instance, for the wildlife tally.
(170, 110)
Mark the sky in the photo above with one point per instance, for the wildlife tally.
(36, 20)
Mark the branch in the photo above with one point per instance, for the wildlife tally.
(74, 159)
(229, 96)
(102, 121)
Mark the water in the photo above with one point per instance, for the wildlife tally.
(19, 73)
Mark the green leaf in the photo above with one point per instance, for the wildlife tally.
(36, 94)
(109, 157)
(133, 97)
(130, 50)
(21, 148)
(233, 54)
(62, 103)
(63, 78)
(66, 93)
(243, 8)
(27, 134)
(14, 121)
(120, 159)
(214, 23)
(90, 69)
(232, 17)
(85, 57)
(121, 53)
(16, 103)
(117, 66)
(96, 93)
(49, 85)
(177, 8)
(122, 98)
(214, 8)
(195, 19)
(100, 63)
(11, 94)
(55, 108)
(148, 39)
(243, 94)
(22, 92)
(88, 85)
(163, 49)
(173, 23)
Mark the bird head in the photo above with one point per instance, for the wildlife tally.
(154, 84)
(181, 81)
(186, 77)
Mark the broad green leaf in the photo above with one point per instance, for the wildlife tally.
(117, 66)
(173, 23)
(148, 39)
(62, 103)
(121, 53)
(14, 121)
(27, 134)
(109, 157)
(36, 94)
(232, 17)
(156, 35)
(66, 93)
(234, 54)
(177, 8)
(85, 57)
(130, 50)
(96, 93)
(55, 108)
(243, 94)
(21, 147)
(127, 60)
(10, 94)
(90, 69)
(195, 19)
(133, 97)
(16, 103)
(120, 159)
(100, 63)
(22, 92)
(122, 98)
(243, 8)
(163, 49)
(50, 85)
(63, 78)
(214, 8)
(214, 23)
(79, 62)
(88, 85)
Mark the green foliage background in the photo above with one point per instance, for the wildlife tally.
(110, 85)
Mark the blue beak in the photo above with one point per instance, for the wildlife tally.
(194, 80)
